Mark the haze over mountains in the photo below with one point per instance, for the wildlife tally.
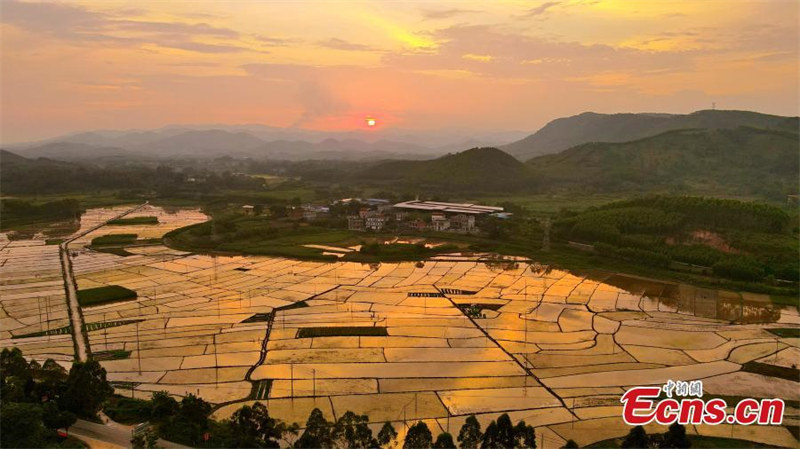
(259, 141)
(728, 152)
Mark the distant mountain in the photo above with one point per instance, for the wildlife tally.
(212, 142)
(475, 170)
(174, 138)
(743, 160)
(217, 142)
(69, 151)
(568, 132)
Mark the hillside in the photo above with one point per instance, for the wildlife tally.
(478, 169)
(731, 161)
(564, 133)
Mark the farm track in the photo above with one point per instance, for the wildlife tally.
(79, 337)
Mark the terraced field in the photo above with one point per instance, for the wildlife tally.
(434, 341)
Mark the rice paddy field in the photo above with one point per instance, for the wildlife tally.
(436, 340)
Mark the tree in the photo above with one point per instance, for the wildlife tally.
(470, 434)
(189, 423)
(418, 437)
(253, 427)
(53, 418)
(524, 436)
(570, 444)
(500, 434)
(636, 439)
(162, 407)
(21, 425)
(138, 441)
(490, 438)
(352, 431)
(676, 438)
(444, 441)
(317, 433)
(86, 389)
(387, 435)
(15, 376)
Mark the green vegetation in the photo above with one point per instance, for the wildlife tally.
(22, 214)
(786, 332)
(718, 161)
(280, 236)
(476, 170)
(127, 410)
(113, 250)
(567, 132)
(39, 399)
(768, 370)
(104, 295)
(343, 331)
(134, 221)
(114, 239)
(748, 242)
(375, 252)
(114, 354)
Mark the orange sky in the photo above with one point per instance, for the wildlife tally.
(500, 65)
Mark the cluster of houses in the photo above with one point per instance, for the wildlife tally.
(376, 214)
(420, 215)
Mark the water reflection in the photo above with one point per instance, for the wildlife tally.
(701, 302)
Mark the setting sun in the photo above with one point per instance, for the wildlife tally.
(371, 121)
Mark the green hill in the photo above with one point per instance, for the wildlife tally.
(740, 161)
(475, 170)
(564, 133)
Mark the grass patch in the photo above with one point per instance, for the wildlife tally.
(133, 221)
(786, 332)
(127, 410)
(53, 241)
(114, 239)
(104, 295)
(766, 369)
(352, 331)
(88, 327)
(114, 354)
(113, 250)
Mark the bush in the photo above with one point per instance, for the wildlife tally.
(105, 295)
(738, 268)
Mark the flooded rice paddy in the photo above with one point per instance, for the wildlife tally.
(553, 348)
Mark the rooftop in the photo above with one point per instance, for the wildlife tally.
(455, 208)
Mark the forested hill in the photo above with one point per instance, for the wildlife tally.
(741, 241)
(567, 132)
(739, 161)
(475, 170)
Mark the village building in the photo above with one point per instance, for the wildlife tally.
(248, 209)
(355, 223)
(439, 222)
(462, 223)
(375, 222)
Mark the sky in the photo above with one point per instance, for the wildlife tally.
(71, 66)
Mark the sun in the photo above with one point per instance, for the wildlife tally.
(371, 122)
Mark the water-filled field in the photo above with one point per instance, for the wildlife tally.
(436, 340)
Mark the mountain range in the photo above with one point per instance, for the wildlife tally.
(265, 142)
(564, 133)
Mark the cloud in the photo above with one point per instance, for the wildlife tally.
(340, 44)
(80, 26)
(541, 9)
(434, 14)
(275, 41)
